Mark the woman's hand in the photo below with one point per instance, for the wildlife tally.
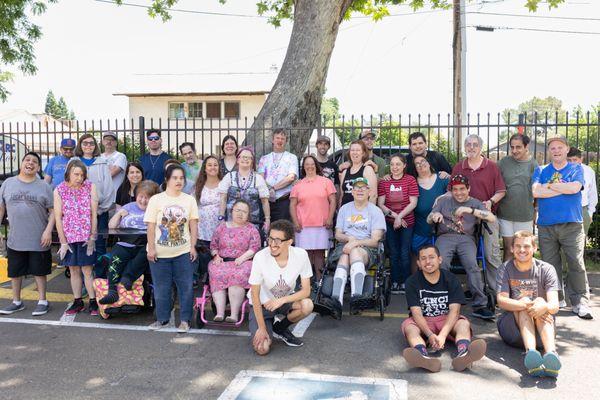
(266, 225)
(151, 256)
(217, 259)
(400, 222)
(329, 223)
(239, 261)
(297, 226)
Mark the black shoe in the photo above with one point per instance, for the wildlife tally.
(483, 313)
(359, 303)
(468, 295)
(111, 297)
(288, 337)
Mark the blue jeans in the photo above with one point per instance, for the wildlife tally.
(398, 242)
(165, 272)
(99, 269)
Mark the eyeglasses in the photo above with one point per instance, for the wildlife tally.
(276, 241)
(472, 144)
(246, 157)
(421, 163)
(239, 210)
(153, 138)
(88, 143)
(360, 188)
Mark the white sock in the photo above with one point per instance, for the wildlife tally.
(339, 282)
(17, 302)
(43, 302)
(357, 278)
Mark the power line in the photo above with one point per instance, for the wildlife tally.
(493, 28)
(187, 11)
(534, 16)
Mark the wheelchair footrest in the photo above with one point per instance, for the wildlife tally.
(362, 303)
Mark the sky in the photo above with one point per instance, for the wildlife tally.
(91, 49)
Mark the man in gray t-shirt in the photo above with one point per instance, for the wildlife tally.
(528, 294)
(457, 214)
(28, 202)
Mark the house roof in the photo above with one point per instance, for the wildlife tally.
(201, 84)
(19, 116)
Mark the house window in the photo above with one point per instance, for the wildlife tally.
(213, 110)
(176, 110)
(194, 110)
(232, 110)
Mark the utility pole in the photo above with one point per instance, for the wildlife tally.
(459, 67)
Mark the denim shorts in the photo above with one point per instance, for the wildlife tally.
(77, 257)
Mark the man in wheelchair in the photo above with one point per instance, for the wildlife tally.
(359, 228)
(457, 215)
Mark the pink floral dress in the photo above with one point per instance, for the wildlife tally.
(232, 243)
(76, 211)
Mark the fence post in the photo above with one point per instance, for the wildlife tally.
(141, 130)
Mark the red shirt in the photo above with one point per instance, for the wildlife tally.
(397, 194)
(484, 181)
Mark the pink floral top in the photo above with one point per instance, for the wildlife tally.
(76, 211)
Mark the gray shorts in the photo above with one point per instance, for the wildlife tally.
(269, 317)
(511, 334)
(337, 252)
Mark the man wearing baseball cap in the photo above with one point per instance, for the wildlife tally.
(368, 137)
(457, 214)
(329, 167)
(55, 170)
(557, 186)
(117, 162)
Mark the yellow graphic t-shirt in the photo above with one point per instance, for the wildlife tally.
(172, 216)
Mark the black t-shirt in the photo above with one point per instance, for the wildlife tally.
(330, 171)
(435, 159)
(434, 299)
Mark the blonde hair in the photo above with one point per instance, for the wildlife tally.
(525, 235)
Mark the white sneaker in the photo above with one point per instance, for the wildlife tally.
(584, 311)
(183, 327)
(156, 325)
(562, 304)
(575, 309)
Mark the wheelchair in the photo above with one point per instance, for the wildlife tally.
(458, 269)
(377, 288)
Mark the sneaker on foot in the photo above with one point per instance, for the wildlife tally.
(534, 363)
(40, 309)
(562, 304)
(483, 313)
(93, 307)
(575, 309)
(396, 288)
(584, 311)
(111, 297)
(183, 327)
(416, 359)
(552, 364)
(156, 325)
(474, 352)
(288, 337)
(75, 307)
(12, 308)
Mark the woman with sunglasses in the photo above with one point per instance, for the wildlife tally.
(134, 174)
(98, 173)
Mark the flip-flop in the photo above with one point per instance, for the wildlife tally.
(534, 363)
(552, 364)
(475, 352)
(416, 359)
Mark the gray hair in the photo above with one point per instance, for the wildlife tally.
(479, 139)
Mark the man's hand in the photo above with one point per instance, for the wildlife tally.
(488, 205)
(151, 256)
(349, 246)
(435, 343)
(273, 304)
(443, 175)
(260, 338)
(373, 165)
(193, 253)
(462, 210)
(538, 308)
(46, 239)
(437, 217)
(344, 166)
(266, 225)
(387, 177)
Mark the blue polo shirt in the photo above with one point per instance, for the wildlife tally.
(56, 168)
(562, 208)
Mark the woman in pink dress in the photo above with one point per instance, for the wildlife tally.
(233, 245)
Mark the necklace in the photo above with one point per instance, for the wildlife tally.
(153, 163)
(276, 163)
(243, 187)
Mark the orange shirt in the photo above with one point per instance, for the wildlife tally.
(313, 205)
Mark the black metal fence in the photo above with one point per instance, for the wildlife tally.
(581, 129)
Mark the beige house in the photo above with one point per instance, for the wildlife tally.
(202, 108)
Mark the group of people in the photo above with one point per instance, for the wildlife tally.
(215, 214)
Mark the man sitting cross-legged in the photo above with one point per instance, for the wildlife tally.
(434, 297)
(528, 293)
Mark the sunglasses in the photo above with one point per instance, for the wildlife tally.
(90, 143)
(153, 138)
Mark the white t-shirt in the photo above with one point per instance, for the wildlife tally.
(120, 161)
(277, 282)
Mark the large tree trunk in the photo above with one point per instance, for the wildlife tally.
(295, 100)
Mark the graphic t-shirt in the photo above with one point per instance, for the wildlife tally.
(434, 299)
(360, 223)
(277, 282)
(397, 194)
(276, 166)
(463, 225)
(134, 220)
(331, 171)
(56, 169)
(27, 207)
(564, 207)
(191, 174)
(171, 216)
(535, 282)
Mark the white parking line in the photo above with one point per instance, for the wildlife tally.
(303, 325)
(118, 327)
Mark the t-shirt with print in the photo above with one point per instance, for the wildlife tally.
(191, 174)
(465, 224)
(56, 169)
(517, 204)
(564, 207)
(313, 194)
(533, 283)
(277, 282)
(434, 298)
(397, 194)
(133, 220)
(360, 223)
(27, 205)
(276, 166)
(117, 159)
(171, 216)
(331, 171)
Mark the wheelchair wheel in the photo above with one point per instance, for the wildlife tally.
(381, 307)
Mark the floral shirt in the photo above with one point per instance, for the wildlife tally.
(276, 166)
(76, 211)
(208, 211)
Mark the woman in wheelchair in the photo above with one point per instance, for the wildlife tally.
(359, 228)
(233, 245)
(128, 257)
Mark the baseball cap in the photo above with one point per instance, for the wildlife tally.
(559, 138)
(362, 180)
(323, 138)
(110, 133)
(68, 142)
(368, 132)
(459, 180)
